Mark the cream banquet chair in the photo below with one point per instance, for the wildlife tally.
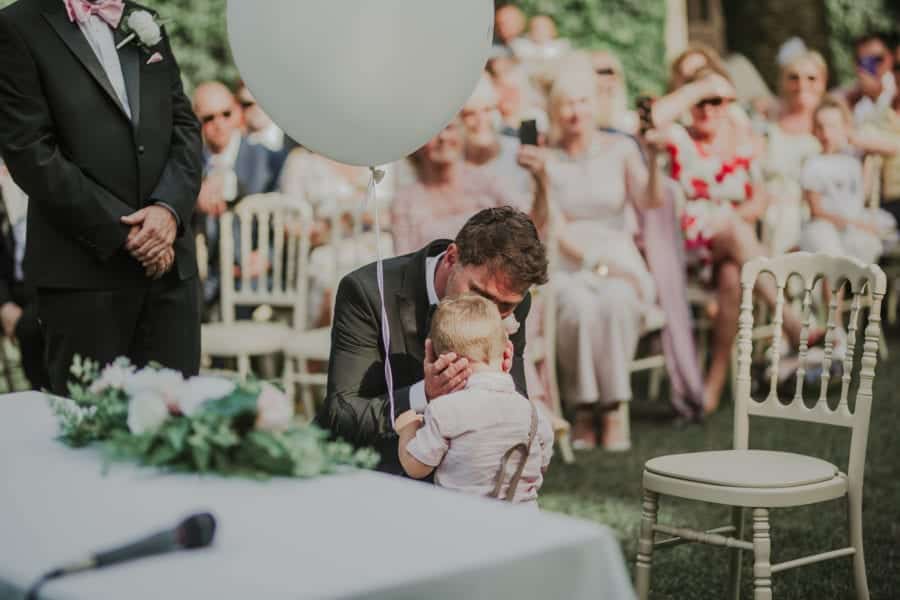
(762, 480)
(278, 227)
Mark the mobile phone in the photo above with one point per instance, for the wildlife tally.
(645, 112)
(528, 133)
(870, 64)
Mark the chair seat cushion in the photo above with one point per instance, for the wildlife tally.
(314, 344)
(247, 338)
(744, 468)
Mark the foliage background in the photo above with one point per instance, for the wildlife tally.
(633, 29)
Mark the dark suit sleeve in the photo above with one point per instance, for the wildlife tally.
(179, 185)
(356, 406)
(518, 340)
(74, 202)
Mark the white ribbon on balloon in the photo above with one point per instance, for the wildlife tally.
(375, 177)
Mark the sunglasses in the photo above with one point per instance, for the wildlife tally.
(206, 119)
(605, 72)
(719, 101)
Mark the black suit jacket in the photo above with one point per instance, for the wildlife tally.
(356, 405)
(84, 164)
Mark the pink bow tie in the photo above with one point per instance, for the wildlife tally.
(108, 10)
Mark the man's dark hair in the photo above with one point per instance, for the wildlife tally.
(504, 239)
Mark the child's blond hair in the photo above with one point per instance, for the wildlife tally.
(833, 102)
(470, 326)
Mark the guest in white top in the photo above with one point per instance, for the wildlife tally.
(464, 436)
(833, 186)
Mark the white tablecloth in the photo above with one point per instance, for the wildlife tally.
(363, 535)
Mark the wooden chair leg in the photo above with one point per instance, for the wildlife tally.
(655, 384)
(737, 520)
(762, 553)
(244, 366)
(649, 510)
(860, 580)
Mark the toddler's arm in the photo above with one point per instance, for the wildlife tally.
(407, 425)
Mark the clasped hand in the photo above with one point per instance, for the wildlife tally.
(151, 239)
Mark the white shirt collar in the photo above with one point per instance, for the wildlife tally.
(493, 381)
(227, 157)
(431, 264)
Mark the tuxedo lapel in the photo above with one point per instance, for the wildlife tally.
(70, 33)
(130, 59)
(412, 300)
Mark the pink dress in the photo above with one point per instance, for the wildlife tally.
(420, 214)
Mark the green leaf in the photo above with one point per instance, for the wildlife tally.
(240, 402)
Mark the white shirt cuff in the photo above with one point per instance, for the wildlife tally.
(417, 399)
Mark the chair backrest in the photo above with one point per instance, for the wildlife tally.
(873, 166)
(867, 285)
(277, 227)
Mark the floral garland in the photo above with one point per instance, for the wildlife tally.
(203, 424)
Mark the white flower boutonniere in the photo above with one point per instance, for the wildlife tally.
(143, 26)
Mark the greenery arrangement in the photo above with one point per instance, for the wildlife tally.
(203, 424)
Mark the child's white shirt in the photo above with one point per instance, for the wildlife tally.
(466, 434)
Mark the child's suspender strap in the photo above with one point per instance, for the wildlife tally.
(524, 451)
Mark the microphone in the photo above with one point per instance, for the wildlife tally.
(196, 531)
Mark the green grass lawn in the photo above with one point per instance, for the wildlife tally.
(606, 488)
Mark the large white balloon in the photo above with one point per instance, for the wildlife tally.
(364, 82)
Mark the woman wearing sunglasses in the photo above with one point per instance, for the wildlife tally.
(712, 159)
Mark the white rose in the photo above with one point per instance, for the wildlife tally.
(165, 383)
(511, 324)
(197, 391)
(274, 411)
(113, 376)
(145, 27)
(146, 412)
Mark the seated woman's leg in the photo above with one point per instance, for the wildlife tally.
(736, 241)
(728, 283)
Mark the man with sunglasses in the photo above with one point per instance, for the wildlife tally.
(875, 86)
(98, 133)
(233, 167)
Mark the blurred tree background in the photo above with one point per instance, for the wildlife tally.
(199, 37)
(632, 29)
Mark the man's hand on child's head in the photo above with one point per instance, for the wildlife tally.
(445, 374)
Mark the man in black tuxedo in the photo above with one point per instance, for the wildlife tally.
(497, 254)
(105, 144)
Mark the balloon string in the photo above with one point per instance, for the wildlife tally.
(372, 200)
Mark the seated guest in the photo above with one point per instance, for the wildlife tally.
(887, 123)
(262, 130)
(875, 86)
(596, 180)
(18, 310)
(542, 42)
(833, 187)
(712, 161)
(497, 255)
(446, 193)
(612, 94)
(509, 24)
(233, 168)
(487, 150)
(486, 439)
